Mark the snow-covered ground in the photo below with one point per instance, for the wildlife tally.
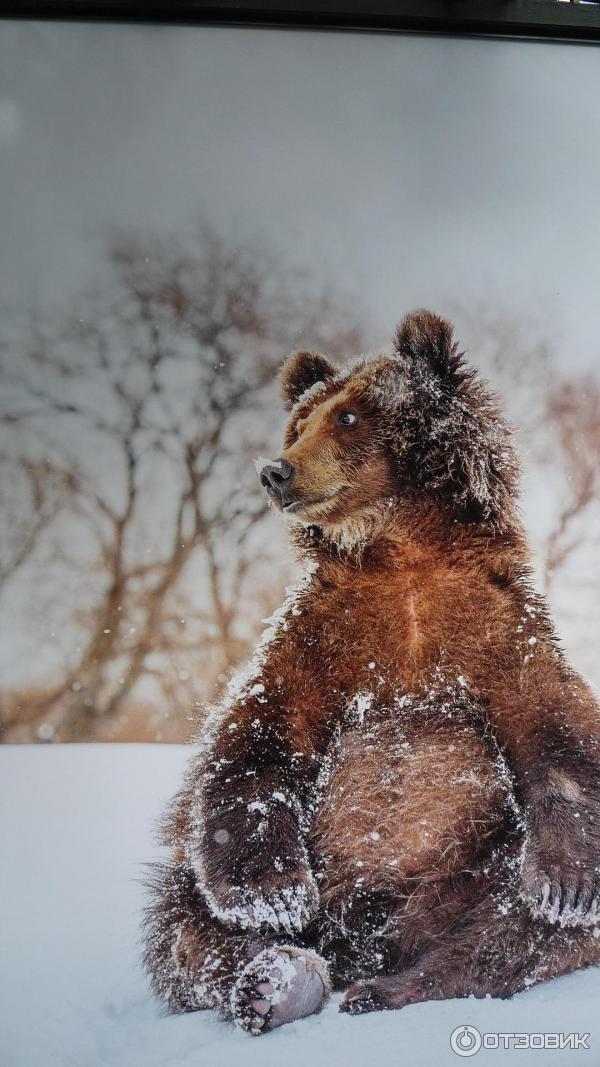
(76, 827)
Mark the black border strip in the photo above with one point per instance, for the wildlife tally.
(498, 18)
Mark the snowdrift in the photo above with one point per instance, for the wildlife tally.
(76, 828)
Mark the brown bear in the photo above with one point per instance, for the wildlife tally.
(400, 795)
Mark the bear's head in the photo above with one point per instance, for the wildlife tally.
(412, 425)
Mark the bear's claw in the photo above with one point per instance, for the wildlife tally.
(284, 909)
(566, 901)
(361, 998)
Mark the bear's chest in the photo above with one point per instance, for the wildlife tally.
(396, 629)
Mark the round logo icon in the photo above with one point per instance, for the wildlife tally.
(465, 1040)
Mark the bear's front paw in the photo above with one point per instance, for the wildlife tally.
(387, 993)
(364, 997)
(560, 895)
(560, 874)
(284, 902)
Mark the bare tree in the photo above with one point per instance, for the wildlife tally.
(573, 413)
(151, 400)
(32, 493)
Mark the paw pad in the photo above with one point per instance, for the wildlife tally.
(279, 985)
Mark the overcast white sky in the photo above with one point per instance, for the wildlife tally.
(422, 170)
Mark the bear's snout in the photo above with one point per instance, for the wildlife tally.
(277, 476)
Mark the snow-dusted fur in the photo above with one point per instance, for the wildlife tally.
(401, 792)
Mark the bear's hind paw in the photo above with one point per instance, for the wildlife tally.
(279, 985)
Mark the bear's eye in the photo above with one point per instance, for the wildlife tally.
(347, 418)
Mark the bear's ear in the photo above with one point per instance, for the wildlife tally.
(425, 338)
(300, 372)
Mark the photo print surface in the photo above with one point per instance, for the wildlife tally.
(182, 208)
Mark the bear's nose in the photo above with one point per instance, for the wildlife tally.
(277, 477)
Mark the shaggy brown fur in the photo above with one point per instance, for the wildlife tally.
(407, 777)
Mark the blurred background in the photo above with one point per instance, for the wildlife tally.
(182, 207)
